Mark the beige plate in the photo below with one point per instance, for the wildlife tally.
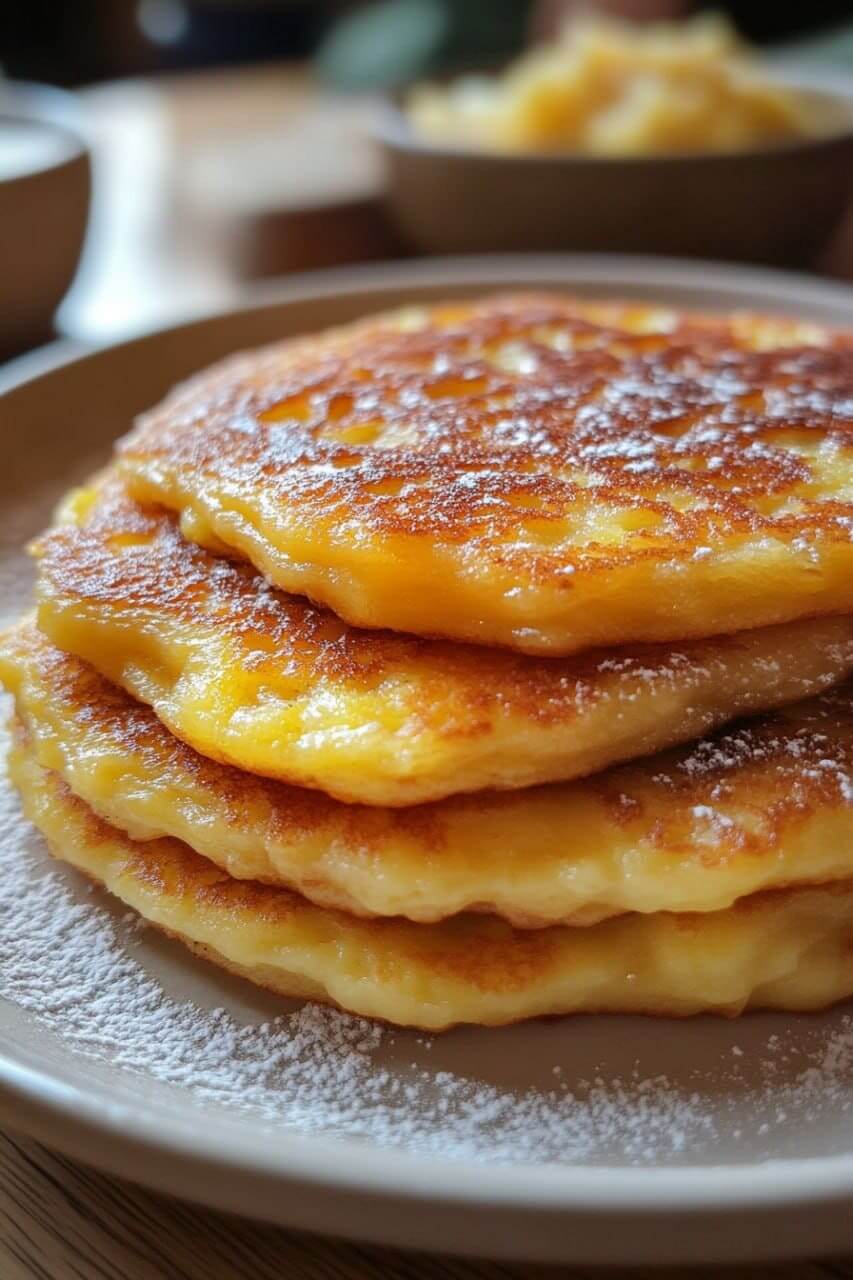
(650, 1142)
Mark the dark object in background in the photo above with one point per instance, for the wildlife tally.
(78, 41)
(760, 23)
(340, 233)
(768, 23)
(42, 40)
(360, 43)
(193, 33)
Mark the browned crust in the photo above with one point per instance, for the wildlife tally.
(691, 414)
(130, 559)
(782, 768)
(485, 955)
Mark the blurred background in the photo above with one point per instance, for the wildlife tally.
(231, 140)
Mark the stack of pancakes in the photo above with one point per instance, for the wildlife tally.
(470, 663)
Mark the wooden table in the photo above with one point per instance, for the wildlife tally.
(60, 1220)
(209, 181)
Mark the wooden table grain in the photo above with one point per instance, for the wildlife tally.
(62, 1221)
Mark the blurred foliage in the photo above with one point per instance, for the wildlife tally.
(392, 42)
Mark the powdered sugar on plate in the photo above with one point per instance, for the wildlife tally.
(592, 1091)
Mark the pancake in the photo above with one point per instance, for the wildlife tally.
(788, 950)
(527, 471)
(271, 684)
(768, 804)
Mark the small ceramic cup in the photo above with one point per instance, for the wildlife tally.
(45, 189)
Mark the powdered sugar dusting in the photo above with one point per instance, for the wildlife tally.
(87, 973)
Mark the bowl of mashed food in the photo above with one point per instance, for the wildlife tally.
(670, 137)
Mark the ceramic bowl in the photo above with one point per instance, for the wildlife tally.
(45, 185)
(775, 204)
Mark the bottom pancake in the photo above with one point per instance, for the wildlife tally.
(787, 950)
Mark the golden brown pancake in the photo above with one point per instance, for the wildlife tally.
(271, 684)
(767, 804)
(788, 950)
(528, 471)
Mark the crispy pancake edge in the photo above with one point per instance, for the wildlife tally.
(765, 804)
(795, 946)
(266, 682)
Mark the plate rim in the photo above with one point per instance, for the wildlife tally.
(34, 1101)
(503, 269)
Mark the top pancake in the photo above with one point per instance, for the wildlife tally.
(252, 677)
(527, 471)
